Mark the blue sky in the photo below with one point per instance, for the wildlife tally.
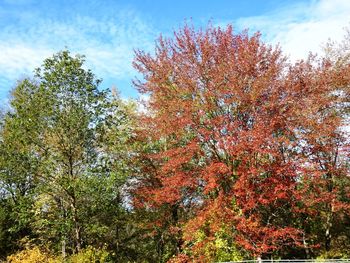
(108, 31)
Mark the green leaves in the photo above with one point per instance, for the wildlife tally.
(64, 151)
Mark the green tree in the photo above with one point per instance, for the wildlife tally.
(18, 167)
(60, 116)
(78, 142)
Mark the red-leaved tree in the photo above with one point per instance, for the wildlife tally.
(237, 128)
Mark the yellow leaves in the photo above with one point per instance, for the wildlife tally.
(36, 254)
(89, 255)
(217, 248)
(32, 255)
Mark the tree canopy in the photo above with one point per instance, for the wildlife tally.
(246, 136)
(237, 153)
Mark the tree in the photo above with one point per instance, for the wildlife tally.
(66, 154)
(60, 116)
(236, 120)
(327, 150)
(160, 224)
(18, 167)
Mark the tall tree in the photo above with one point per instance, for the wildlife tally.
(234, 117)
(66, 153)
(18, 167)
(328, 150)
(60, 114)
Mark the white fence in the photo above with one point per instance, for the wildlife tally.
(292, 261)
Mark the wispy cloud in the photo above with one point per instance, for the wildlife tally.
(32, 30)
(107, 41)
(301, 28)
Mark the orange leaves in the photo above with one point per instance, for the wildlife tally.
(181, 258)
(245, 134)
(262, 239)
(176, 157)
(213, 175)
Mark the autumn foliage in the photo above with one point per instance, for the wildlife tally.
(245, 142)
(238, 153)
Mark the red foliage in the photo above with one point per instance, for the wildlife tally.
(240, 128)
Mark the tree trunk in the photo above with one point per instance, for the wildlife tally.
(328, 234)
(306, 247)
(63, 233)
(329, 219)
(175, 215)
(77, 235)
(63, 248)
(75, 218)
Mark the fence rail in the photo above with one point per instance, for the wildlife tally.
(292, 261)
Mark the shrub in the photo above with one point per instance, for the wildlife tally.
(32, 255)
(90, 254)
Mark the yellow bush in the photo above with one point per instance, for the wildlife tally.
(35, 254)
(32, 255)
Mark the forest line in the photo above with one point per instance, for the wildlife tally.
(239, 153)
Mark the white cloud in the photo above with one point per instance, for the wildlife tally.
(20, 58)
(107, 42)
(142, 103)
(302, 28)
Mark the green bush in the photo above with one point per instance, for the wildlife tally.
(89, 255)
